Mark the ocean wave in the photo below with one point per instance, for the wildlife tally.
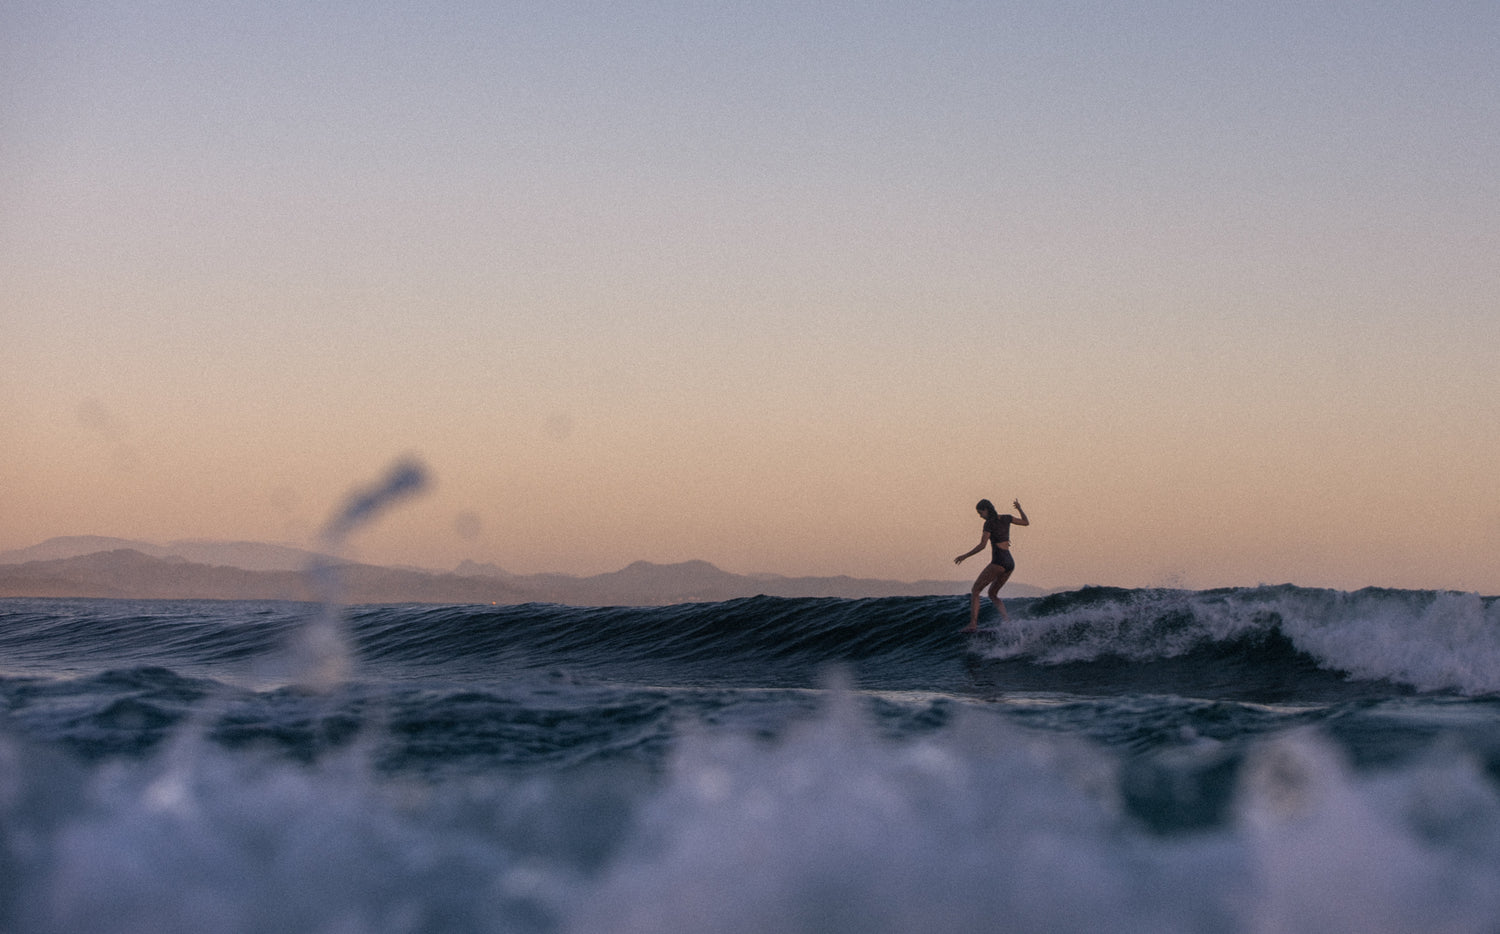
(1265, 638)
(1427, 640)
(827, 827)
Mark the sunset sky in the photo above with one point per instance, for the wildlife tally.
(1214, 289)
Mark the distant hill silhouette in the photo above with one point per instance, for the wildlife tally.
(133, 573)
(251, 556)
(128, 574)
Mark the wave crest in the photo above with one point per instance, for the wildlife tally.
(1428, 640)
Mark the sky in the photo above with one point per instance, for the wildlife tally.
(1211, 288)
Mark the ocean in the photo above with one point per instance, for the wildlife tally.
(1267, 759)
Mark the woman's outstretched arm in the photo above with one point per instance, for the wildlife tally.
(983, 540)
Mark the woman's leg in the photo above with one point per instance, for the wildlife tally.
(985, 578)
(995, 591)
(1006, 566)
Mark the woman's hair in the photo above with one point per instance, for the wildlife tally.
(986, 507)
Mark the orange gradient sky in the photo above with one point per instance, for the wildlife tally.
(785, 287)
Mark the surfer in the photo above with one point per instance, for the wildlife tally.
(998, 571)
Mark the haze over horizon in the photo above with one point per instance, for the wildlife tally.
(783, 288)
(106, 568)
(278, 556)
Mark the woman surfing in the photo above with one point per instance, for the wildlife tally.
(998, 571)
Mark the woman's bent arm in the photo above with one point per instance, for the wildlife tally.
(975, 550)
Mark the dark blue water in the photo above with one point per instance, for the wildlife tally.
(1265, 759)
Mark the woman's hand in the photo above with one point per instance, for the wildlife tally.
(959, 559)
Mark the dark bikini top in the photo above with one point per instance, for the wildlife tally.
(999, 528)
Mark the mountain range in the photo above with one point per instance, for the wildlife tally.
(91, 566)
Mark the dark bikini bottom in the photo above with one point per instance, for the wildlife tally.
(1001, 556)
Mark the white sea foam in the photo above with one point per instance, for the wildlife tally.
(1432, 641)
(985, 829)
(1331, 853)
(977, 827)
(1442, 641)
